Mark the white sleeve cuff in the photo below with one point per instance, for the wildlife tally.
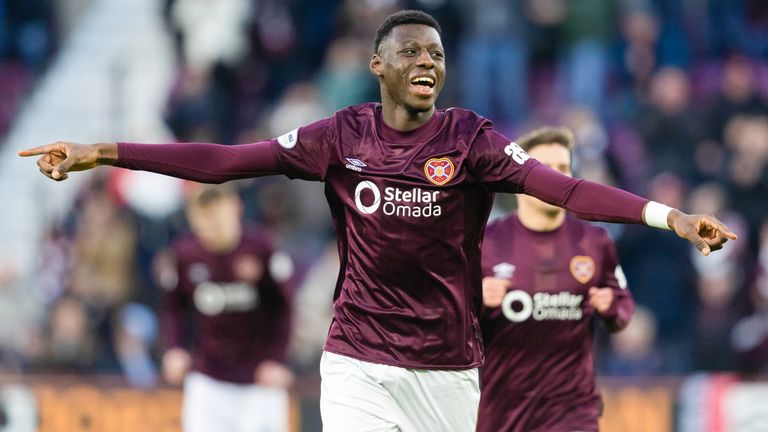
(656, 215)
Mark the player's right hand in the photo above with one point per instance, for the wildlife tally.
(58, 159)
(494, 290)
(176, 364)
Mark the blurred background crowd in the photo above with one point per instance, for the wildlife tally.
(666, 98)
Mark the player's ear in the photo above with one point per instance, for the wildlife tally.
(375, 65)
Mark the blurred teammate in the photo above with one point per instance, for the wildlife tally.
(410, 188)
(234, 378)
(547, 275)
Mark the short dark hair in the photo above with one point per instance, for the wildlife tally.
(546, 135)
(205, 195)
(402, 17)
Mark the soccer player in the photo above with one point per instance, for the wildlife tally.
(546, 277)
(222, 277)
(410, 188)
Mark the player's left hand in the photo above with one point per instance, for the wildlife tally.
(706, 232)
(600, 299)
(273, 374)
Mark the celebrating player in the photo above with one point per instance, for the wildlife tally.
(410, 188)
(547, 275)
(222, 276)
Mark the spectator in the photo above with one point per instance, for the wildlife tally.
(493, 49)
(750, 334)
(746, 140)
(668, 124)
(640, 35)
(667, 290)
(741, 26)
(104, 247)
(737, 95)
(29, 32)
(588, 31)
(720, 288)
(71, 342)
(343, 79)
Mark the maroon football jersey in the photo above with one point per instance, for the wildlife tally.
(241, 313)
(409, 209)
(538, 374)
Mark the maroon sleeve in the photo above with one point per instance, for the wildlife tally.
(505, 167)
(205, 163)
(492, 162)
(622, 308)
(172, 310)
(306, 152)
(587, 200)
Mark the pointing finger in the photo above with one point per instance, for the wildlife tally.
(724, 230)
(34, 151)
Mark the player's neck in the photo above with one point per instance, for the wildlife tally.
(400, 118)
(537, 220)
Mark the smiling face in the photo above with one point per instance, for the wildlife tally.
(410, 65)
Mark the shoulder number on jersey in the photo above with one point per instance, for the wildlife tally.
(518, 154)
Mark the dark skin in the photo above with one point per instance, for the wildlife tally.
(410, 66)
(409, 52)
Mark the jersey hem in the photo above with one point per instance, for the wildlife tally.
(403, 365)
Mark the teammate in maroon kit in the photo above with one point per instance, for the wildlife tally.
(410, 188)
(546, 276)
(223, 276)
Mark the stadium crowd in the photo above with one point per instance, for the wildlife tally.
(668, 99)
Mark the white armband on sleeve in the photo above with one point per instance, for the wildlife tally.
(656, 215)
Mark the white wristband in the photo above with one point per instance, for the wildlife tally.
(656, 215)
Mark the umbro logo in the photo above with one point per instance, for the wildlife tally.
(503, 270)
(355, 164)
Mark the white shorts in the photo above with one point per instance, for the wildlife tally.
(212, 405)
(358, 396)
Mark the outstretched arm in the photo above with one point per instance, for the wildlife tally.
(502, 166)
(207, 163)
(594, 201)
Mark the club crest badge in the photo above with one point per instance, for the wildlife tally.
(439, 171)
(582, 268)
